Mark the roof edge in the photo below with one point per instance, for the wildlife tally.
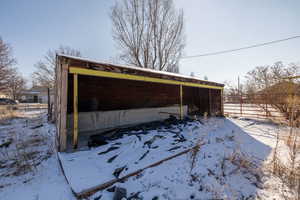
(136, 68)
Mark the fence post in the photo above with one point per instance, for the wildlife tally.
(241, 105)
(48, 99)
(240, 94)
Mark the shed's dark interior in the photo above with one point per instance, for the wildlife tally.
(103, 94)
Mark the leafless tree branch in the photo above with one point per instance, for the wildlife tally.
(7, 61)
(44, 74)
(150, 33)
(16, 84)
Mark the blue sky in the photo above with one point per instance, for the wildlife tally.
(32, 27)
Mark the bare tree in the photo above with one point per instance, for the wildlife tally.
(44, 74)
(263, 77)
(149, 33)
(233, 92)
(267, 85)
(6, 63)
(16, 84)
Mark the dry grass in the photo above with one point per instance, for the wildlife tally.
(23, 156)
(242, 163)
(194, 153)
(24, 149)
(287, 167)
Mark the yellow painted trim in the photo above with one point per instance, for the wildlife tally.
(292, 77)
(90, 72)
(75, 111)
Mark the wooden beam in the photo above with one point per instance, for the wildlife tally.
(169, 113)
(75, 111)
(90, 72)
(222, 103)
(292, 77)
(63, 106)
(57, 101)
(181, 109)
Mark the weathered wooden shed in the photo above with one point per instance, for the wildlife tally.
(93, 96)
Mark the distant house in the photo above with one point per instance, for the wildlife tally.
(36, 94)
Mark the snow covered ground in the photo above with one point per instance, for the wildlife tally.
(227, 165)
(44, 181)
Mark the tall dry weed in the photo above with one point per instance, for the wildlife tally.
(287, 167)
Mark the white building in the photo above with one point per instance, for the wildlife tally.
(36, 94)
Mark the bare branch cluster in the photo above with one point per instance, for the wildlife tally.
(44, 74)
(268, 85)
(16, 84)
(7, 61)
(149, 33)
(265, 76)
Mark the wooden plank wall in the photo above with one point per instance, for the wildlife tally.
(61, 79)
(64, 106)
(216, 102)
(196, 99)
(115, 94)
(57, 104)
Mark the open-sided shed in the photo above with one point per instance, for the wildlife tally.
(94, 96)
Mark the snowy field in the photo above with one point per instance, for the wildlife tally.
(228, 165)
(34, 138)
(228, 162)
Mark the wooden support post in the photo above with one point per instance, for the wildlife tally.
(222, 102)
(48, 104)
(75, 111)
(181, 108)
(209, 102)
(241, 105)
(241, 98)
(63, 95)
